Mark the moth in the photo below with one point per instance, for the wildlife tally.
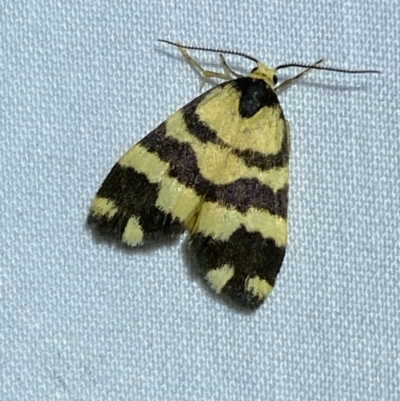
(217, 168)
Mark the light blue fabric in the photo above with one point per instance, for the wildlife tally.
(82, 81)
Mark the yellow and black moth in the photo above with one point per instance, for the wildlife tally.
(218, 168)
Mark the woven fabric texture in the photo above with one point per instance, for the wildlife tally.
(81, 319)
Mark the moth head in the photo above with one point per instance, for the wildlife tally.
(267, 74)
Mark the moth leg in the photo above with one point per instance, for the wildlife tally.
(228, 70)
(205, 74)
(290, 81)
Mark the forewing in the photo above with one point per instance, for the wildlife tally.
(150, 193)
(239, 235)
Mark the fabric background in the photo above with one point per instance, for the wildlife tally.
(80, 83)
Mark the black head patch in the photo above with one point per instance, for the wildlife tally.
(255, 94)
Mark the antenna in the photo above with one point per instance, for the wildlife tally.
(235, 53)
(207, 49)
(317, 67)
